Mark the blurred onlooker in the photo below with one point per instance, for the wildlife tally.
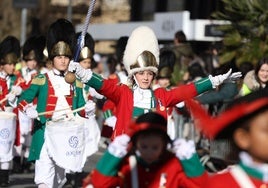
(255, 79)
(194, 72)
(184, 55)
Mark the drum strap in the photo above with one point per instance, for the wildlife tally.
(241, 178)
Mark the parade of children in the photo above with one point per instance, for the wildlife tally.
(72, 116)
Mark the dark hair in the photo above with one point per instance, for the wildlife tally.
(154, 119)
(167, 58)
(180, 36)
(196, 70)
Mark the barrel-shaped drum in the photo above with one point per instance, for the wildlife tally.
(7, 135)
(66, 143)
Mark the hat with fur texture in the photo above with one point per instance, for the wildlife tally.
(142, 51)
(33, 48)
(61, 39)
(9, 50)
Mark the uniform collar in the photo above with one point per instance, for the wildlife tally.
(59, 73)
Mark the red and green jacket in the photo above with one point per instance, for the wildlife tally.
(42, 90)
(177, 174)
(225, 179)
(122, 96)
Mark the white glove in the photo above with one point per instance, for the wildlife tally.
(119, 146)
(16, 90)
(183, 149)
(11, 97)
(31, 111)
(229, 76)
(111, 121)
(83, 74)
(90, 108)
(95, 94)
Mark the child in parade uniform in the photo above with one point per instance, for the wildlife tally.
(141, 158)
(86, 61)
(141, 59)
(89, 93)
(245, 123)
(10, 80)
(57, 98)
(32, 54)
(118, 74)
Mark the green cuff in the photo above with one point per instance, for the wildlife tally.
(107, 114)
(96, 81)
(108, 164)
(193, 167)
(203, 85)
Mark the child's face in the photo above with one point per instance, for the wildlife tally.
(255, 140)
(31, 64)
(164, 82)
(61, 63)
(9, 69)
(150, 147)
(86, 63)
(144, 79)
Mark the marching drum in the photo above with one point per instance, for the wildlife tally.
(67, 142)
(7, 135)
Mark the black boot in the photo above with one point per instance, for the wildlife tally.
(70, 181)
(4, 178)
(17, 167)
(26, 166)
(79, 176)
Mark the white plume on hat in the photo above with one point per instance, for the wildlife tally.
(141, 39)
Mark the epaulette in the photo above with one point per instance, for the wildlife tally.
(78, 84)
(40, 79)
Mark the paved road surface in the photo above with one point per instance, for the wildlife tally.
(27, 181)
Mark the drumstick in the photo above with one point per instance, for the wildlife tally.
(12, 92)
(52, 111)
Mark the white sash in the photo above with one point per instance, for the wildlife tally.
(7, 135)
(241, 177)
(61, 88)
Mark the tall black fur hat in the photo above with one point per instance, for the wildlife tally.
(9, 50)
(89, 47)
(33, 48)
(61, 39)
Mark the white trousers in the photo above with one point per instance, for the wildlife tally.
(47, 173)
(23, 149)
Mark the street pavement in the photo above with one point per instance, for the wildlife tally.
(26, 180)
